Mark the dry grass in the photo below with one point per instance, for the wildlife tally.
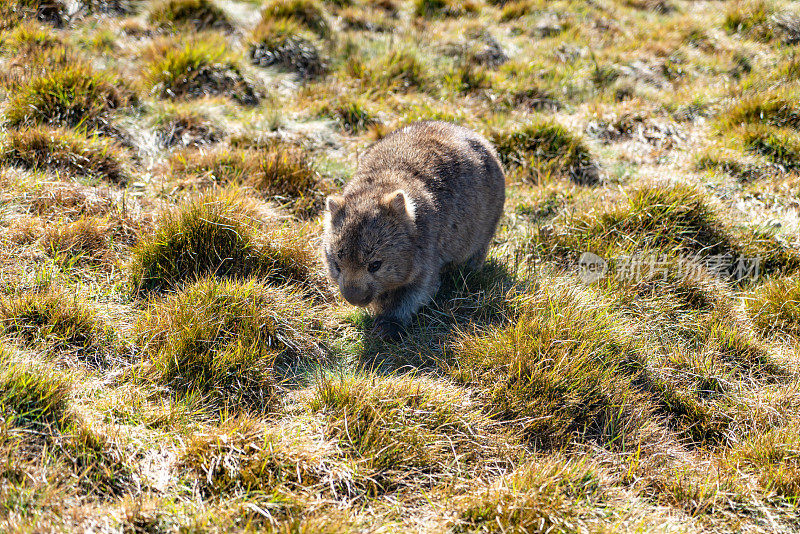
(162, 169)
(58, 150)
(221, 235)
(225, 339)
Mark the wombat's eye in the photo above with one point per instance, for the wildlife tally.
(374, 266)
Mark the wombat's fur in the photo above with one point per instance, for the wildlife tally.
(424, 196)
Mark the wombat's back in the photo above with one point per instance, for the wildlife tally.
(455, 168)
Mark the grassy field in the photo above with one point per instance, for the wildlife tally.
(172, 358)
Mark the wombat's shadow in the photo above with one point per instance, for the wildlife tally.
(467, 301)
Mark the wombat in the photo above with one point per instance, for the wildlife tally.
(425, 196)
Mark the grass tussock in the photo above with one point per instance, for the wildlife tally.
(63, 151)
(85, 240)
(544, 149)
(402, 428)
(196, 69)
(774, 458)
(32, 396)
(563, 369)
(351, 114)
(778, 145)
(225, 338)
(199, 15)
(444, 8)
(285, 44)
(775, 108)
(309, 13)
(58, 323)
(750, 19)
(220, 235)
(673, 220)
(278, 171)
(545, 496)
(72, 96)
(186, 128)
(288, 463)
(13, 12)
(775, 307)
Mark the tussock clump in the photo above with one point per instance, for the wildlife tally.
(278, 171)
(545, 149)
(444, 8)
(290, 460)
(779, 145)
(776, 108)
(225, 338)
(32, 395)
(541, 496)
(352, 114)
(398, 70)
(309, 13)
(775, 307)
(60, 323)
(13, 12)
(55, 149)
(85, 239)
(113, 7)
(284, 44)
(199, 68)
(186, 128)
(72, 96)
(562, 370)
(198, 14)
(773, 457)
(402, 428)
(751, 19)
(219, 235)
(673, 220)
(28, 38)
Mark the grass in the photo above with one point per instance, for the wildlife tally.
(173, 359)
(285, 44)
(73, 96)
(218, 234)
(561, 371)
(198, 68)
(32, 396)
(308, 13)
(64, 151)
(279, 171)
(400, 427)
(225, 338)
(59, 323)
(197, 14)
(543, 149)
(536, 497)
(775, 307)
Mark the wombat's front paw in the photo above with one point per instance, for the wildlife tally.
(387, 329)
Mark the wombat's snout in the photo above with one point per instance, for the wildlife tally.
(357, 296)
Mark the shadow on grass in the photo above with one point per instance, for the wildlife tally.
(466, 301)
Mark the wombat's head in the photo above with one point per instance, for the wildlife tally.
(369, 247)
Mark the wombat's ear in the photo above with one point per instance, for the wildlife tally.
(399, 202)
(334, 204)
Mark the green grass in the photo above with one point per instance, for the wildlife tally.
(778, 145)
(197, 14)
(776, 108)
(195, 69)
(72, 96)
(775, 307)
(308, 13)
(64, 151)
(543, 149)
(279, 171)
(31, 395)
(218, 234)
(751, 19)
(59, 323)
(224, 339)
(396, 426)
(287, 45)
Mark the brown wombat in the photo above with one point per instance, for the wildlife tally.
(424, 196)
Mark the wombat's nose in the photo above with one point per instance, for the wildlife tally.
(357, 296)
